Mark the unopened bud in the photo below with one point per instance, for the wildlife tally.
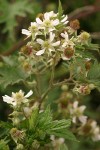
(35, 144)
(91, 86)
(19, 147)
(69, 52)
(64, 87)
(75, 24)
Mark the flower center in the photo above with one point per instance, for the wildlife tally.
(47, 23)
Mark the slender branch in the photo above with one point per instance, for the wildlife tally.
(95, 35)
(15, 47)
(83, 12)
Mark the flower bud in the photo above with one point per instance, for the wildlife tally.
(35, 144)
(27, 50)
(75, 24)
(92, 86)
(64, 87)
(27, 66)
(21, 58)
(84, 36)
(19, 147)
(16, 121)
(88, 65)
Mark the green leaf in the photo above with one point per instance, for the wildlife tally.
(63, 147)
(3, 145)
(64, 133)
(59, 124)
(4, 128)
(94, 72)
(11, 73)
(33, 119)
(9, 11)
(60, 10)
(45, 118)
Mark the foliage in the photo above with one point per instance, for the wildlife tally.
(60, 66)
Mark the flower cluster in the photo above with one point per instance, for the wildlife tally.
(82, 124)
(53, 37)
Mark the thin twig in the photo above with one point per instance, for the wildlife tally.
(14, 48)
(83, 12)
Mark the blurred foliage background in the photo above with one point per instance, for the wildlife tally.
(16, 15)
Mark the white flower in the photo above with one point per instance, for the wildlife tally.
(17, 98)
(67, 41)
(47, 45)
(49, 22)
(95, 131)
(33, 30)
(77, 113)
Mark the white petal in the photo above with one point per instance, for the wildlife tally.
(46, 16)
(82, 108)
(65, 58)
(94, 124)
(66, 22)
(74, 119)
(51, 50)
(29, 94)
(33, 24)
(40, 52)
(26, 32)
(96, 137)
(55, 22)
(52, 35)
(56, 43)
(7, 98)
(83, 119)
(75, 104)
(65, 44)
(64, 19)
(40, 41)
(63, 35)
(38, 20)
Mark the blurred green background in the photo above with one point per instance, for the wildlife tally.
(17, 14)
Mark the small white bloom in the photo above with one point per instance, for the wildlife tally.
(49, 22)
(67, 42)
(77, 113)
(17, 98)
(47, 45)
(95, 131)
